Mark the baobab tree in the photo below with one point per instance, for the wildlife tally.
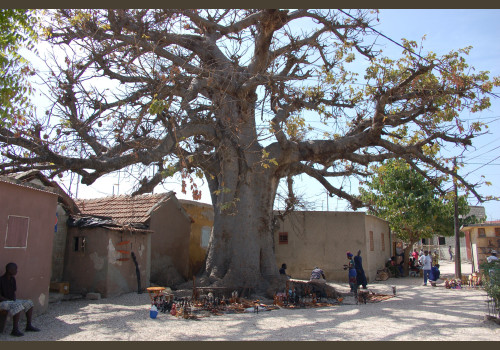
(188, 91)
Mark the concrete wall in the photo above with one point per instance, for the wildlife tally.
(122, 277)
(323, 238)
(33, 260)
(97, 268)
(169, 243)
(375, 259)
(203, 216)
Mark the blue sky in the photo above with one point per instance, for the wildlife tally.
(445, 29)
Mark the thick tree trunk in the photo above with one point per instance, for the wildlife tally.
(241, 251)
(407, 251)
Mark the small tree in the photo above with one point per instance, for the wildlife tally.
(412, 204)
(491, 282)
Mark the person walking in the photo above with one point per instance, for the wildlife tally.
(360, 272)
(14, 306)
(451, 253)
(426, 262)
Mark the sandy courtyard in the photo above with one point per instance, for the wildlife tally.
(416, 313)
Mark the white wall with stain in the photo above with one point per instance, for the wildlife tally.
(113, 255)
(98, 261)
(42, 298)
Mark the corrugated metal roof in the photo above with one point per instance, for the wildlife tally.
(123, 209)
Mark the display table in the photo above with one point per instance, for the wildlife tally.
(155, 292)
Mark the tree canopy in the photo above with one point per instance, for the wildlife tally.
(16, 31)
(226, 95)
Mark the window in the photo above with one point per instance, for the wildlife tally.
(497, 231)
(283, 238)
(382, 240)
(424, 241)
(481, 232)
(372, 247)
(205, 236)
(17, 232)
(441, 240)
(79, 244)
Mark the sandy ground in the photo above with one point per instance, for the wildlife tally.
(416, 313)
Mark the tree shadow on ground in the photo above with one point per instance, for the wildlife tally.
(409, 315)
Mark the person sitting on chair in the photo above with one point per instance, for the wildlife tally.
(14, 306)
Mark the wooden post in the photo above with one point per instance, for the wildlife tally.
(458, 266)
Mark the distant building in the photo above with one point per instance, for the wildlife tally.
(483, 238)
(442, 244)
(306, 239)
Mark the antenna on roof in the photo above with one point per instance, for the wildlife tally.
(117, 185)
(77, 183)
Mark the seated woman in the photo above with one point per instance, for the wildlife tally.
(393, 267)
(283, 270)
(413, 267)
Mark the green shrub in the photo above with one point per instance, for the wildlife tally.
(491, 281)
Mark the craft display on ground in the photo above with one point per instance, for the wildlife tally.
(216, 301)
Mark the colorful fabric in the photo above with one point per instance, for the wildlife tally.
(15, 307)
(434, 274)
